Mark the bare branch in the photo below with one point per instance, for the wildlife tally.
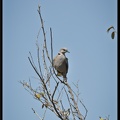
(62, 105)
(44, 114)
(39, 60)
(42, 23)
(60, 92)
(34, 68)
(75, 104)
(70, 104)
(55, 90)
(37, 114)
(51, 46)
(77, 95)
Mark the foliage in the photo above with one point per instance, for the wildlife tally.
(113, 32)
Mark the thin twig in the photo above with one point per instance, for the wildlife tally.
(60, 92)
(42, 23)
(35, 68)
(55, 90)
(44, 114)
(53, 76)
(37, 114)
(77, 95)
(39, 61)
(53, 102)
(51, 46)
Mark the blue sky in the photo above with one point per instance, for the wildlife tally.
(80, 26)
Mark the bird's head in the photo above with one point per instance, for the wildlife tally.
(64, 50)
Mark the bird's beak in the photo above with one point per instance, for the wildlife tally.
(68, 51)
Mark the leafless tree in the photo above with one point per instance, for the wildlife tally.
(50, 95)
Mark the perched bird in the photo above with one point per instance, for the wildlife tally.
(60, 63)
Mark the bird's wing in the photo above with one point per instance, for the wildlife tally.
(60, 63)
(58, 60)
(66, 65)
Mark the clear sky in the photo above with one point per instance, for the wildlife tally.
(79, 25)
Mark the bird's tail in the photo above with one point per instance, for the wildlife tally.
(65, 79)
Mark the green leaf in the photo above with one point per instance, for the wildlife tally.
(113, 34)
(111, 27)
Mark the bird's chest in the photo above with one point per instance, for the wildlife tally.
(60, 60)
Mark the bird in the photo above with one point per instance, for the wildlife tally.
(60, 63)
